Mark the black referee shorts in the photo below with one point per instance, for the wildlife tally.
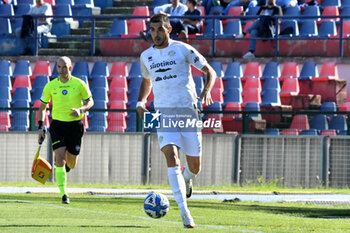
(67, 134)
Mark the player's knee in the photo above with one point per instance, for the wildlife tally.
(71, 164)
(195, 170)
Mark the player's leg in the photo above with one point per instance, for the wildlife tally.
(76, 133)
(71, 161)
(60, 172)
(177, 182)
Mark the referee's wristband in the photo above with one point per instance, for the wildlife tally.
(140, 104)
(40, 124)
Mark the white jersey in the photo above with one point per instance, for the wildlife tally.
(170, 71)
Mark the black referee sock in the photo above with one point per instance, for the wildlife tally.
(67, 168)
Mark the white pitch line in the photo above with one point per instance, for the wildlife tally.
(125, 215)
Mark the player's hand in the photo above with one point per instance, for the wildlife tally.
(76, 112)
(41, 135)
(205, 98)
(140, 110)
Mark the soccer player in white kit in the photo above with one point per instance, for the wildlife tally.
(166, 66)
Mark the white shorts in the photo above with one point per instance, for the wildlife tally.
(189, 142)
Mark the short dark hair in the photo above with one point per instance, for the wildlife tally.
(161, 18)
(194, 2)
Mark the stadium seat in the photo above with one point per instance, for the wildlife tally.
(232, 106)
(37, 104)
(5, 26)
(81, 69)
(233, 83)
(199, 82)
(26, 2)
(22, 81)
(5, 93)
(135, 26)
(216, 95)
(116, 122)
(119, 27)
(5, 104)
(326, 3)
(98, 104)
(308, 29)
(118, 82)
(252, 11)
(328, 107)
(98, 82)
(62, 10)
(233, 29)
(252, 83)
(135, 70)
(216, 10)
(22, 68)
(235, 11)
(309, 71)
(86, 3)
(21, 93)
(293, 11)
(219, 84)
(65, 2)
(251, 95)
(253, 106)
(271, 70)
(328, 71)
(300, 122)
(330, 11)
(272, 131)
(312, 11)
(338, 123)
(119, 69)
(290, 132)
(271, 98)
(290, 70)
(196, 73)
(246, 26)
(233, 70)
(210, 28)
(329, 132)
(290, 28)
(99, 94)
(100, 69)
(309, 132)
(5, 68)
(98, 122)
(328, 29)
(290, 87)
(5, 119)
(132, 122)
(6, 10)
(36, 94)
(51, 2)
(141, 11)
(217, 66)
(5, 81)
(252, 70)
(118, 94)
(117, 104)
(134, 85)
(233, 95)
(271, 83)
(20, 121)
(319, 122)
(41, 68)
(40, 81)
(21, 9)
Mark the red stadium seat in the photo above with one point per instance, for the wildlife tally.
(150, 99)
(251, 83)
(119, 69)
(290, 70)
(233, 11)
(300, 122)
(290, 132)
(5, 119)
(232, 106)
(37, 104)
(246, 26)
(251, 95)
(290, 87)
(216, 95)
(330, 11)
(4, 128)
(117, 119)
(252, 70)
(196, 72)
(41, 68)
(135, 26)
(118, 82)
(141, 11)
(51, 2)
(329, 132)
(118, 94)
(22, 81)
(219, 84)
(346, 29)
(329, 71)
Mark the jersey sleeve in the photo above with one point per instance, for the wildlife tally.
(144, 70)
(46, 96)
(85, 91)
(194, 57)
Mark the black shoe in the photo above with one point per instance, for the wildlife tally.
(67, 168)
(65, 199)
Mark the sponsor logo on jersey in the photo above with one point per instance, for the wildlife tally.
(165, 77)
(171, 53)
(162, 70)
(150, 58)
(64, 92)
(162, 64)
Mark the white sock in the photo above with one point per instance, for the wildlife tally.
(187, 174)
(177, 184)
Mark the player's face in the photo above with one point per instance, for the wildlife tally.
(160, 34)
(63, 68)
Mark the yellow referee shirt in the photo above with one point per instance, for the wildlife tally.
(65, 96)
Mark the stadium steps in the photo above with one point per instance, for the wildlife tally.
(99, 24)
(132, 3)
(124, 10)
(70, 44)
(64, 52)
(87, 31)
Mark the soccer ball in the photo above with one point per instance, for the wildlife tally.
(156, 205)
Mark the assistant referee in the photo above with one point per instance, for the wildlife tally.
(66, 129)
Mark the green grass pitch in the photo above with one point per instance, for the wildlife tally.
(91, 213)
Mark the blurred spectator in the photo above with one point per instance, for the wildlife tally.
(286, 3)
(42, 8)
(264, 26)
(245, 3)
(192, 25)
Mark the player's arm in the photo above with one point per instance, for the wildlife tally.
(145, 90)
(41, 117)
(205, 96)
(78, 111)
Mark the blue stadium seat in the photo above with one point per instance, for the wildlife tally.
(216, 10)
(216, 106)
(346, 11)
(218, 30)
(233, 70)
(104, 4)
(36, 94)
(86, 3)
(338, 123)
(62, 10)
(293, 11)
(217, 66)
(312, 11)
(81, 10)
(252, 11)
(81, 69)
(253, 106)
(21, 9)
(5, 93)
(132, 121)
(100, 69)
(134, 85)
(233, 95)
(328, 107)
(271, 83)
(5, 27)
(5, 104)
(5, 68)
(20, 121)
(308, 71)
(319, 122)
(290, 28)
(327, 29)
(98, 105)
(22, 68)
(308, 28)
(6, 10)
(99, 93)
(199, 82)
(5, 81)
(98, 122)
(21, 93)
(65, 2)
(271, 98)
(98, 82)
(40, 81)
(331, 3)
(233, 83)
(309, 132)
(271, 70)
(233, 29)
(25, 2)
(119, 27)
(272, 131)
(54, 73)
(135, 70)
